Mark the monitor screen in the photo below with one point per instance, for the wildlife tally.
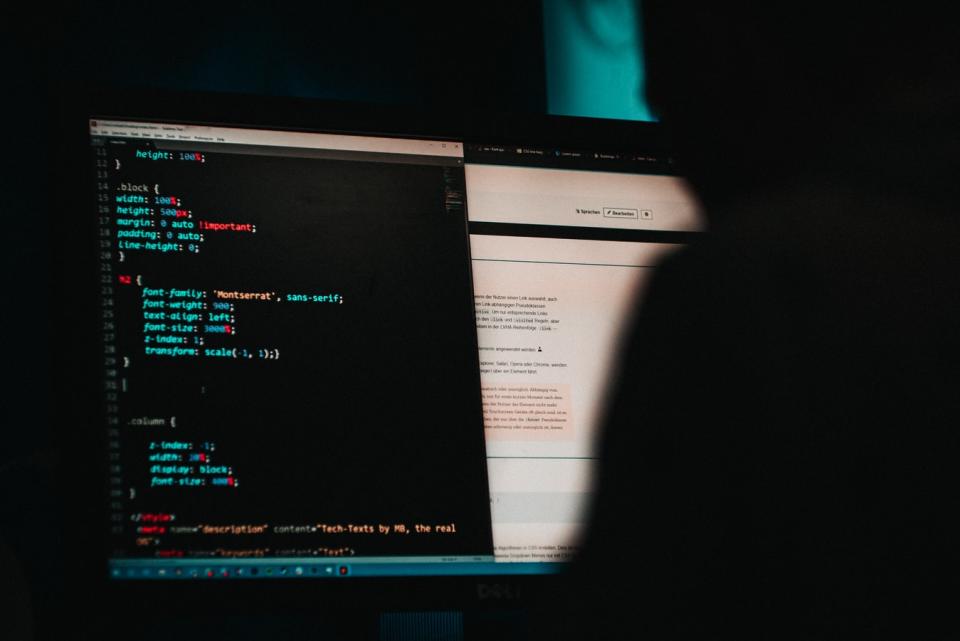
(331, 355)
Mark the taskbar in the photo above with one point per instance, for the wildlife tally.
(326, 568)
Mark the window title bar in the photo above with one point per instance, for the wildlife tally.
(272, 138)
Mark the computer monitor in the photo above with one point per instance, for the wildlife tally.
(356, 346)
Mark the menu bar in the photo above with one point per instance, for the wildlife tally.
(156, 131)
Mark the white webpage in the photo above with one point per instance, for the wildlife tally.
(551, 313)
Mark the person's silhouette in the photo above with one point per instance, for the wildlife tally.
(780, 459)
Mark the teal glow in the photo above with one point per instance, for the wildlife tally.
(593, 59)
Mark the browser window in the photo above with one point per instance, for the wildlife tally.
(561, 257)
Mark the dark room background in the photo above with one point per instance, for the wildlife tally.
(527, 57)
